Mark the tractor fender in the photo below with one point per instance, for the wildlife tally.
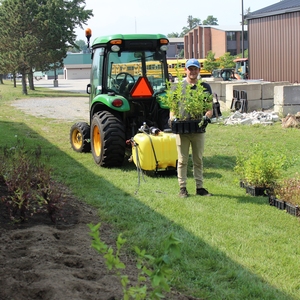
(108, 100)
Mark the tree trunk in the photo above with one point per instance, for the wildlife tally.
(1, 79)
(30, 80)
(24, 85)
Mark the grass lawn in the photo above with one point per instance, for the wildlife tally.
(235, 246)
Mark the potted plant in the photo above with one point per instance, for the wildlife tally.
(259, 168)
(195, 100)
(287, 191)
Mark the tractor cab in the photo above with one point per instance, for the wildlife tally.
(242, 68)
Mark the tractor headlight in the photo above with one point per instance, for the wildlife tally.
(164, 47)
(115, 48)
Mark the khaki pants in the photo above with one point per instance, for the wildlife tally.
(183, 142)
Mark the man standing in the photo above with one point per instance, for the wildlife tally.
(196, 140)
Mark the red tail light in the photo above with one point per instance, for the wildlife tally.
(117, 103)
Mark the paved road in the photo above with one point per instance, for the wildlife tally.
(75, 85)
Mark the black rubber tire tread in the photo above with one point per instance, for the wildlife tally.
(112, 139)
(81, 132)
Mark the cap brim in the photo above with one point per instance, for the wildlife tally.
(193, 65)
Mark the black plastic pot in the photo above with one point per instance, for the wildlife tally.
(256, 191)
(292, 209)
(187, 126)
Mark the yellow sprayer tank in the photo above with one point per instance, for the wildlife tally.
(154, 152)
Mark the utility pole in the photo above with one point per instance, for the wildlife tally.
(242, 28)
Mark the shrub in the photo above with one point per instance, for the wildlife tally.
(260, 166)
(151, 271)
(196, 101)
(30, 187)
(288, 190)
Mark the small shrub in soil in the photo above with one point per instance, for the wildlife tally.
(30, 189)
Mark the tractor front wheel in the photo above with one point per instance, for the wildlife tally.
(107, 139)
(80, 137)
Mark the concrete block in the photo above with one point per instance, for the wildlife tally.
(246, 121)
(284, 110)
(227, 90)
(287, 95)
(253, 90)
(254, 104)
(216, 88)
(267, 88)
(267, 104)
(211, 79)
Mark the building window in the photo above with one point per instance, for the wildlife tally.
(231, 36)
(232, 52)
(245, 36)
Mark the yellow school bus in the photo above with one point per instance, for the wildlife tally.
(154, 68)
(176, 66)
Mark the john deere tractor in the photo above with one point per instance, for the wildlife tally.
(128, 76)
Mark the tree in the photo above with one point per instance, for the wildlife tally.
(226, 61)
(210, 20)
(43, 30)
(241, 54)
(246, 12)
(210, 63)
(80, 46)
(192, 23)
(173, 35)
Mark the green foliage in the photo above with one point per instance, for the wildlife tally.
(192, 23)
(173, 35)
(211, 63)
(42, 33)
(80, 46)
(261, 166)
(241, 54)
(157, 270)
(29, 184)
(210, 20)
(196, 101)
(226, 61)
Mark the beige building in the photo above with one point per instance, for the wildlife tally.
(274, 42)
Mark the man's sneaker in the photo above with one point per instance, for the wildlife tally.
(202, 192)
(183, 192)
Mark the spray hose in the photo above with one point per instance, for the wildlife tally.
(138, 164)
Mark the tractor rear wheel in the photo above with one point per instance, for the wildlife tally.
(107, 139)
(80, 137)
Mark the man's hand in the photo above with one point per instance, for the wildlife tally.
(209, 114)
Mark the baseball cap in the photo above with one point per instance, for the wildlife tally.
(192, 63)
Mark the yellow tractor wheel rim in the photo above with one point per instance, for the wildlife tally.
(77, 139)
(96, 140)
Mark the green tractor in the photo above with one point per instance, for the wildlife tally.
(128, 77)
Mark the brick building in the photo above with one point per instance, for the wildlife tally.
(219, 40)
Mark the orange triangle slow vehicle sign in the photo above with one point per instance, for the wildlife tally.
(142, 88)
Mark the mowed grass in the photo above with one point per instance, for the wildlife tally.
(234, 246)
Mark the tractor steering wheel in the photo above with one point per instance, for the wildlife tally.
(124, 80)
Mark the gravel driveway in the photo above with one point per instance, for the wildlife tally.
(62, 108)
(65, 108)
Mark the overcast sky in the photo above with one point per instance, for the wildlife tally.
(162, 16)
